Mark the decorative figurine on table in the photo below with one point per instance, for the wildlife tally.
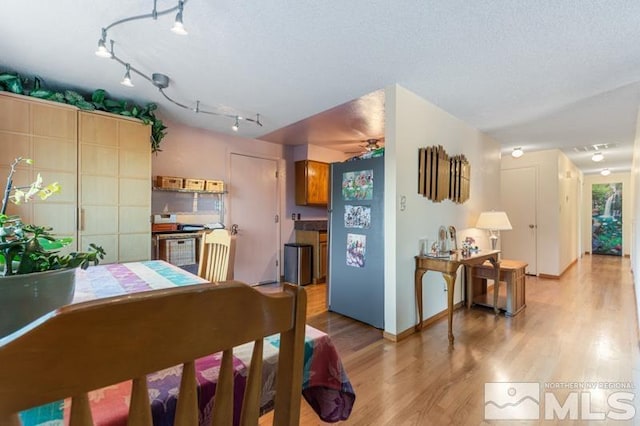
(469, 246)
(453, 245)
(443, 240)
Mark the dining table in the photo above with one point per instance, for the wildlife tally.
(326, 386)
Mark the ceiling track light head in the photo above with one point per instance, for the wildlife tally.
(161, 81)
(178, 26)
(236, 125)
(126, 80)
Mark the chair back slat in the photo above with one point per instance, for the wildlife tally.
(140, 408)
(251, 402)
(187, 408)
(97, 344)
(223, 399)
(80, 411)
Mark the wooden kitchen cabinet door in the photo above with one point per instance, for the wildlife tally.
(45, 132)
(312, 183)
(115, 185)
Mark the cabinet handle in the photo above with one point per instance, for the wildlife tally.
(80, 219)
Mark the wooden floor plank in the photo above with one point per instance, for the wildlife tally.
(580, 328)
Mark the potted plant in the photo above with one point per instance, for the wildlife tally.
(35, 278)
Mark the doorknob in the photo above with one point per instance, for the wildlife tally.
(531, 226)
(234, 229)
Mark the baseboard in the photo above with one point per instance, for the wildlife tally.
(557, 277)
(549, 277)
(624, 255)
(425, 323)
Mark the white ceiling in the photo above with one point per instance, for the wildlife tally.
(537, 74)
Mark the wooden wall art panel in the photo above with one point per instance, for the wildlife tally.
(460, 172)
(441, 177)
(433, 174)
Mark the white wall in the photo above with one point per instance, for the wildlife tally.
(411, 123)
(557, 204)
(191, 152)
(627, 201)
(198, 153)
(569, 207)
(635, 215)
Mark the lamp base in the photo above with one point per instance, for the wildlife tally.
(494, 241)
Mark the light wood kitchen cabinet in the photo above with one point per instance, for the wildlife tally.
(318, 240)
(102, 163)
(115, 186)
(45, 132)
(312, 183)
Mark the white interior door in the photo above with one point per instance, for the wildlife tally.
(253, 207)
(518, 195)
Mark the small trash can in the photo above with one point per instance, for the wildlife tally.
(297, 263)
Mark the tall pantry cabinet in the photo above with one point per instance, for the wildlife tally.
(45, 132)
(103, 163)
(114, 186)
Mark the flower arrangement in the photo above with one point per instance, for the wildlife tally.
(469, 246)
(25, 248)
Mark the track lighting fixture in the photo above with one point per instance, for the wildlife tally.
(605, 172)
(126, 81)
(102, 50)
(597, 156)
(178, 26)
(517, 152)
(161, 81)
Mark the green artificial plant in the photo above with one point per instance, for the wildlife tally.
(24, 248)
(14, 83)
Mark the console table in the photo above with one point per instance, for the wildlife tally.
(448, 266)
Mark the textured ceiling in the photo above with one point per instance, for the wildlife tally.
(537, 74)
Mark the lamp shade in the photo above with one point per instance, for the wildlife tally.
(494, 221)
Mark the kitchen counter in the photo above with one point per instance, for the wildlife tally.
(310, 225)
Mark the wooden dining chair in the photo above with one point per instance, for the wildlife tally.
(90, 345)
(217, 253)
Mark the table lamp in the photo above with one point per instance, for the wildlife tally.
(494, 221)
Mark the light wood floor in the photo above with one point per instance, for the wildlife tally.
(581, 328)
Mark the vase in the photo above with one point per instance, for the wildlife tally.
(25, 298)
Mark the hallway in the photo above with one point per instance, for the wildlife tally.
(576, 331)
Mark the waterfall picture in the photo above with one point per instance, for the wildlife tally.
(606, 218)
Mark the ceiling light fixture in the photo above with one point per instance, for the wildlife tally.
(102, 50)
(161, 81)
(126, 81)
(178, 26)
(517, 152)
(605, 172)
(597, 156)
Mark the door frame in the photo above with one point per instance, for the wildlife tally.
(279, 199)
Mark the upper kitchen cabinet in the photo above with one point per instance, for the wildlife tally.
(115, 185)
(312, 183)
